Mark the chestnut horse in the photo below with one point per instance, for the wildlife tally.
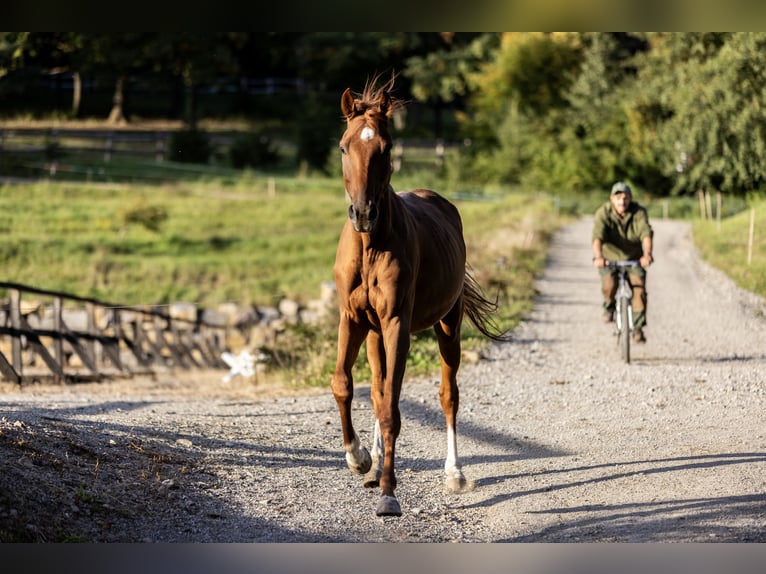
(400, 268)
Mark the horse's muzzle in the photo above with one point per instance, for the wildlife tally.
(363, 219)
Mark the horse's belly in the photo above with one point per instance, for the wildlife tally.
(432, 305)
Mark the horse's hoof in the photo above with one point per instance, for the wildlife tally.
(388, 506)
(372, 478)
(359, 466)
(455, 482)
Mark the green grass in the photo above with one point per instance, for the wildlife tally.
(218, 243)
(727, 248)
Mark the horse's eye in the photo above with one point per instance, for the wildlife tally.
(387, 148)
(342, 149)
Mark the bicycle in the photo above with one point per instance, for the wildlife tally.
(623, 312)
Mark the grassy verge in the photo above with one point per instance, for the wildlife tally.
(726, 247)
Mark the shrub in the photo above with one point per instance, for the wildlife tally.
(150, 217)
(318, 130)
(190, 146)
(252, 150)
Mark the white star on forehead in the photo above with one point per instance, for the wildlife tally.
(367, 134)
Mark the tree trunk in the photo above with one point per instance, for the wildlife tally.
(190, 111)
(76, 94)
(117, 115)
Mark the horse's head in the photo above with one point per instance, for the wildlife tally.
(366, 155)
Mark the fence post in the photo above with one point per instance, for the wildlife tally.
(272, 186)
(439, 154)
(718, 209)
(750, 236)
(15, 295)
(159, 148)
(58, 345)
(398, 155)
(108, 147)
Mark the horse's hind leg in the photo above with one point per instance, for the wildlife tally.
(448, 336)
(350, 338)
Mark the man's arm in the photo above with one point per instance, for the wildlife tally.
(598, 256)
(646, 245)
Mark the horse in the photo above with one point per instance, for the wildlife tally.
(400, 268)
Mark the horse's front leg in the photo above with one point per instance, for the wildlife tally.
(350, 338)
(396, 339)
(376, 357)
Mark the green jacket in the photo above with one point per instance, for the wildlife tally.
(621, 239)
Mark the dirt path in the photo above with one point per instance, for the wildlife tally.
(562, 441)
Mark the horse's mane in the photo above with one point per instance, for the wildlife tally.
(374, 88)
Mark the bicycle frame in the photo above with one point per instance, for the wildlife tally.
(623, 306)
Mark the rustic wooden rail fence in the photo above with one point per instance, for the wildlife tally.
(155, 144)
(103, 143)
(74, 338)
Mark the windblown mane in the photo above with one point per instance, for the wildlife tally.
(373, 90)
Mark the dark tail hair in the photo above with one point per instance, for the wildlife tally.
(480, 310)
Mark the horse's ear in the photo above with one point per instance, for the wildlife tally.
(347, 104)
(384, 104)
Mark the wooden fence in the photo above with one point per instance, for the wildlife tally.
(69, 338)
(103, 143)
(154, 144)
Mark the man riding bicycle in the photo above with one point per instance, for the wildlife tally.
(621, 231)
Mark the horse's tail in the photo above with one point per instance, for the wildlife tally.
(480, 310)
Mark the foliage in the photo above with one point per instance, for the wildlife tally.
(151, 217)
(189, 146)
(716, 130)
(673, 112)
(253, 150)
(318, 130)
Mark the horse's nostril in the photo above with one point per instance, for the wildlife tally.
(351, 213)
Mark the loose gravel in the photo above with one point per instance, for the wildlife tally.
(560, 440)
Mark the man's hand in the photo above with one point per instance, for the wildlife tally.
(599, 261)
(646, 260)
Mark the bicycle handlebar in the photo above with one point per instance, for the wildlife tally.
(627, 263)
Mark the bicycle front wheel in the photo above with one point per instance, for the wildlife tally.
(625, 330)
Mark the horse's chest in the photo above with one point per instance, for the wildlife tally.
(368, 300)
(377, 294)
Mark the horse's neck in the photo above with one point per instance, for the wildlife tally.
(390, 208)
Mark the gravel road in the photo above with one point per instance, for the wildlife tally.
(560, 440)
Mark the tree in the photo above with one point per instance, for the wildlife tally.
(516, 106)
(194, 58)
(441, 76)
(715, 137)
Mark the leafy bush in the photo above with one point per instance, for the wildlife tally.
(252, 150)
(318, 132)
(149, 216)
(190, 146)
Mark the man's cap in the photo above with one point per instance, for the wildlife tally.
(621, 187)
